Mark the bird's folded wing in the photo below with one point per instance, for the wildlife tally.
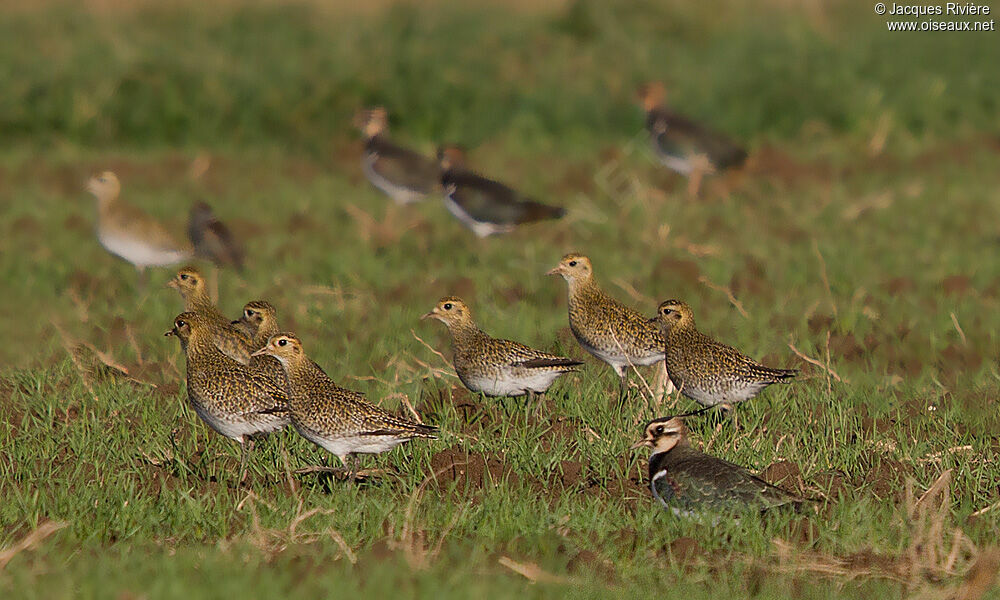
(486, 201)
(405, 168)
(233, 345)
(720, 484)
(145, 227)
(222, 245)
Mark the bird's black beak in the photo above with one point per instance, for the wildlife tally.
(644, 442)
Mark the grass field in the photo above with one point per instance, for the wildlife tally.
(864, 233)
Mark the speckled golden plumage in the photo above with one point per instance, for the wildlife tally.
(336, 419)
(705, 370)
(193, 288)
(233, 399)
(492, 366)
(259, 322)
(605, 327)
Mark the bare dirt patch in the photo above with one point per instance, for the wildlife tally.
(784, 474)
(470, 471)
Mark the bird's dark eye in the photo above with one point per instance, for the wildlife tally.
(572, 263)
(659, 430)
(282, 342)
(102, 179)
(184, 276)
(249, 312)
(667, 311)
(447, 306)
(181, 324)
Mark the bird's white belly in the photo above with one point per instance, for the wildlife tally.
(618, 360)
(511, 385)
(235, 428)
(398, 193)
(481, 229)
(731, 397)
(680, 165)
(355, 444)
(140, 253)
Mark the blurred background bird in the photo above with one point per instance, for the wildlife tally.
(485, 206)
(212, 239)
(402, 174)
(681, 144)
(130, 233)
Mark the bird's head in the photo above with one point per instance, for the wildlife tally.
(286, 347)
(651, 95)
(671, 314)
(372, 121)
(451, 156)
(189, 282)
(201, 213)
(663, 434)
(257, 312)
(185, 324)
(450, 311)
(573, 267)
(104, 186)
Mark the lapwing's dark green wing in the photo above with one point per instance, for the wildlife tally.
(403, 167)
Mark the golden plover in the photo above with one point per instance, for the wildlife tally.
(193, 288)
(338, 420)
(492, 366)
(231, 398)
(130, 233)
(605, 327)
(709, 372)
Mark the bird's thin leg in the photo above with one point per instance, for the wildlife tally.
(243, 459)
(731, 414)
(694, 182)
(537, 399)
(622, 386)
(140, 280)
(351, 462)
(700, 167)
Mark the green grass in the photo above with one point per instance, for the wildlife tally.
(892, 254)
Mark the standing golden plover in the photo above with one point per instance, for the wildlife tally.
(402, 174)
(604, 327)
(485, 206)
(231, 398)
(259, 322)
(709, 372)
(689, 482)
(130, 233)
(683, 145)
(212, 239)
(193, 288)
(338, 420)
(492, 366)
